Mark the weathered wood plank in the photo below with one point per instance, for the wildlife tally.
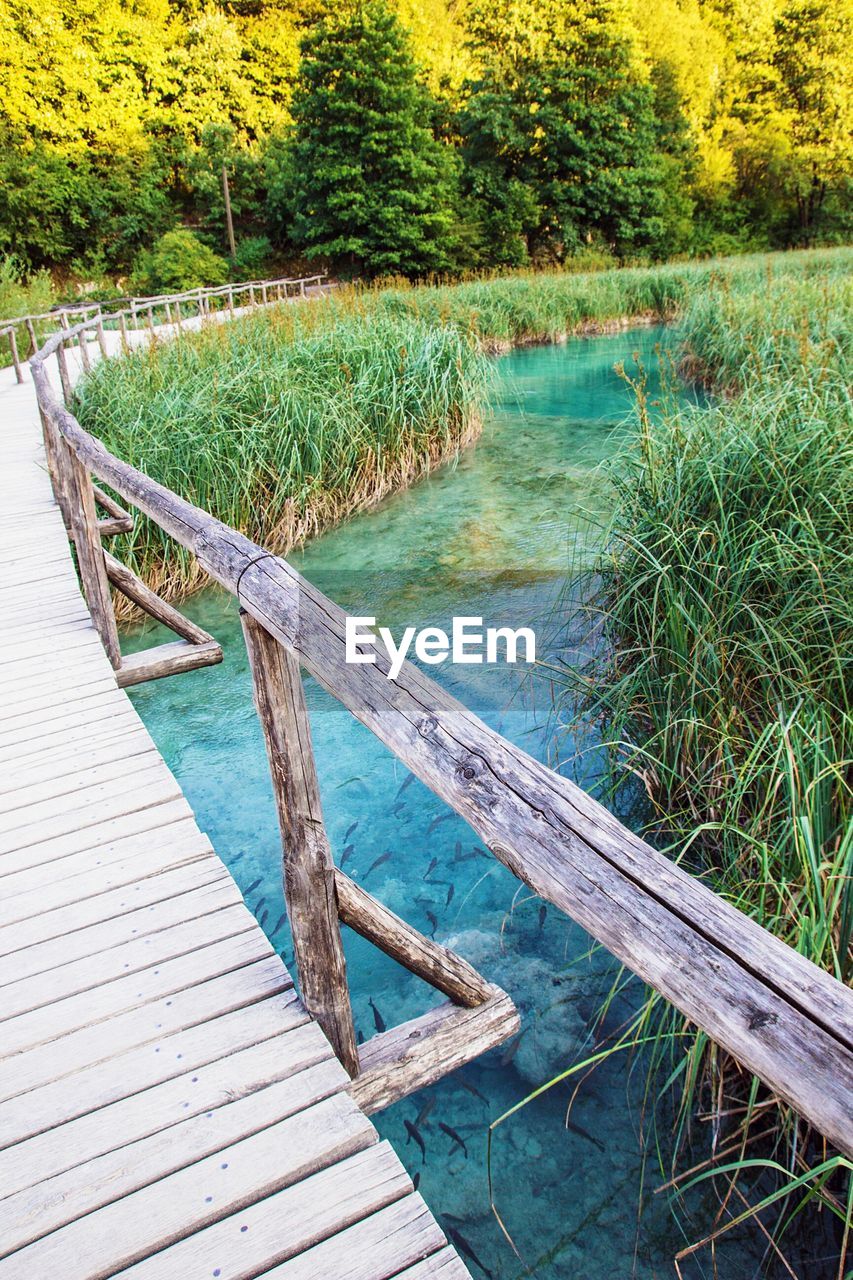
(376, 1248)
(444, 1265)
(309, 873)
(43, 795)
(45, 988)
(231, 1014)
(404, 1059)
(285, 1224)
(103, 1180)
(238, 1175)
(77, 757)
(437, 965)
(135, 589)
(158, 1108)
(150, 840)
(61, 825)
(128, 996)
(96, 904)
(168, 659)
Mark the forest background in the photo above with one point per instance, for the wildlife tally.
(416, 136)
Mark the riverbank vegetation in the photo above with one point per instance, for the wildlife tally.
(283, 422)
(725, 594)
(431, 137)
(290, 419)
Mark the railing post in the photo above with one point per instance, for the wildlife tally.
(302, 288)
(90, 554)
(64, 377)
(83, 344)
(56, 453)
(102, 339)
(122, 324)
(230, 299)
(13, 347)
(309, 872)
(34, 346)
(264, 294)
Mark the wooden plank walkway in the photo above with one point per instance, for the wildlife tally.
(168, 1111)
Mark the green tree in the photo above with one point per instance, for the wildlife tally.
(371, 186)
(815, 100)
(559, 131)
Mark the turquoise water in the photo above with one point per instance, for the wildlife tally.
(498, 535)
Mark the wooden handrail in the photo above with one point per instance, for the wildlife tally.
(778, 1014)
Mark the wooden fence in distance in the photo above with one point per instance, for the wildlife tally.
(132, 314)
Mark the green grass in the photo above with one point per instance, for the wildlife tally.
(20, 296)
(726, 594)
(283, 423)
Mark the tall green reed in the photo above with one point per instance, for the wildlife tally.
(726, 595)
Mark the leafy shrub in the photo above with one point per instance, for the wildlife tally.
(253, 255)
(178, 261)
(21, 296)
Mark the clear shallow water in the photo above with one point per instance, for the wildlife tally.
(495, 535)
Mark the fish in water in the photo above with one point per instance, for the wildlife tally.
(347, 853)
(350, 830)
(281, 920)
(454, 1136)
(511, 1051)
(253, 886)
(458, 850)
(543, 911)
(432, 866)
(359, 1037)
(263, 919)
(259, 906)
(431, 918)
(466, 857)
(450, 893)
(406, 783)
(378, 1020)
(401, 804)
(456, 1238)
(443, 817)
(356, 777)
(425, 1111)
(583, 1133)
(412, 1131)
(377, 862)
(472, 1088)
(416, 1180)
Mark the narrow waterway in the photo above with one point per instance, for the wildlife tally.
(499, 535)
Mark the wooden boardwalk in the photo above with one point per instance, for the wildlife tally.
(167, 1108)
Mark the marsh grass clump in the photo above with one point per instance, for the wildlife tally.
(726, 596)
(283, 423)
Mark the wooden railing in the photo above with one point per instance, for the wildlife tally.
(131, 314)
(777, 1013)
